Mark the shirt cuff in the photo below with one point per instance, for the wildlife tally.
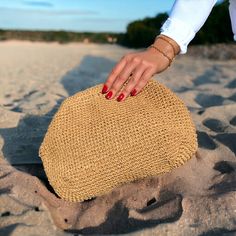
(178, 30)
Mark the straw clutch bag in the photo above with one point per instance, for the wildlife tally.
(94, 144)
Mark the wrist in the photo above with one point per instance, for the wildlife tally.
(175, 46)
(164, 52)
(164, 47)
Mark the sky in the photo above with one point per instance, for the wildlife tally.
(77, 15)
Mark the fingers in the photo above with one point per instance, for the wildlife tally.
(147, 75)
(114, 73)
(132, 67)
(137, 83)
(137, 74)
(141, 71)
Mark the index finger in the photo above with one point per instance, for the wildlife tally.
(115, 71)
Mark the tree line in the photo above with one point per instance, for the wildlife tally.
(139, 33)
(217, 29)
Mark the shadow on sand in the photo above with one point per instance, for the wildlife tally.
(21, 143)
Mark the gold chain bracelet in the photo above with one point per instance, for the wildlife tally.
(166, 40)
(164, 54)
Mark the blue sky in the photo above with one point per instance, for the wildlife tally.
(77, 15)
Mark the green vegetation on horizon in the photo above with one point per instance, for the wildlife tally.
(139, 33)
(217, 29)
(56, 36)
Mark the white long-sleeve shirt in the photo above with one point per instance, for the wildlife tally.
(188, 16)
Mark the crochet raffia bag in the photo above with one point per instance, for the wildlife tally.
(94, 144)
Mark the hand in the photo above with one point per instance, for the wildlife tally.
(142, 66)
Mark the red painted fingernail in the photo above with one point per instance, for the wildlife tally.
(121, 96)
(109, 95)
(134, 91)
(104, 89)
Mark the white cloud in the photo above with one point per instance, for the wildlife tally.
(38, 3)
(42, 12)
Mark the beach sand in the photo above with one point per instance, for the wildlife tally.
(198, 198)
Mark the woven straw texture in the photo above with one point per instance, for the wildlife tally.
(94, 144)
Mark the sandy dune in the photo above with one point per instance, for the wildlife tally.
(198, 198)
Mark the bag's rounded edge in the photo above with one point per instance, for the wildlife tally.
(90, 91)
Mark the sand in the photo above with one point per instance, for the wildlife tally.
(197, 198)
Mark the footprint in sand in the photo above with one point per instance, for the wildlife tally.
(231, 84)
(233, 97)
(205, 141)
(233, 121)
(224, 167)
(226, 182)
(215, 125)
(206, 100)
(209, 77)
(228, 140)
